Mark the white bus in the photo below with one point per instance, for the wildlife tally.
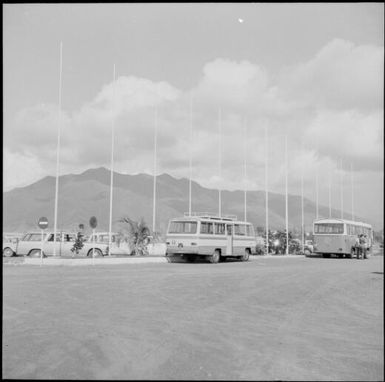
(212, 237)
(338, 237)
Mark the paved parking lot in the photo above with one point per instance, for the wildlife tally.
(271, 318)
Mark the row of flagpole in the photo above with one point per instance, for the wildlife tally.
(190, 171)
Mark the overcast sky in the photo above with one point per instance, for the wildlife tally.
(311, 71)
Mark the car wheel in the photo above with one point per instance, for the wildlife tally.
(214, 258)
(8, 252)
(36, 253)
(307, 252)
(96, 253)
(246, 255)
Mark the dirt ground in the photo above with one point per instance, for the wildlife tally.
(271, 318)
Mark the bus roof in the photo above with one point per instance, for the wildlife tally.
(209, 215)
(333, 220)
(209, 218)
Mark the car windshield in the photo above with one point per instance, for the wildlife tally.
(32, 237)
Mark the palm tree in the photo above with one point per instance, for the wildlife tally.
(137, 234)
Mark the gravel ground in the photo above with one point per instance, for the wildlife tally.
(270, 318)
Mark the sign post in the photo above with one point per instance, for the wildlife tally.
(43, 224)
(93, 224)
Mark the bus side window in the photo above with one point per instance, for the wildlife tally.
(250, 230)
(207, 227)
(229, 229)
(219, 228)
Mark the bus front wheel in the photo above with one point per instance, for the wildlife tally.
(214, 258)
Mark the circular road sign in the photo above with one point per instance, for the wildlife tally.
(43, 223)
(93, 222)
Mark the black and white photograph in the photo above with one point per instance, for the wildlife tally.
(193, 191)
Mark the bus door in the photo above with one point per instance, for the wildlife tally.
(229, 239)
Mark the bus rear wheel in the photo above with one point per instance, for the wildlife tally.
(214, 258)
(246, 255)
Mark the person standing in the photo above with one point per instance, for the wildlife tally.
(357, 248)
(363, 245)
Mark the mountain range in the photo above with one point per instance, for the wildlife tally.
(88, 194)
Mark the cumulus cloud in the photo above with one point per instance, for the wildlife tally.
(340, 76)
(349, 134)
(331, 105)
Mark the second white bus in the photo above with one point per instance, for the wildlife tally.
(212, 237)
(338, 237)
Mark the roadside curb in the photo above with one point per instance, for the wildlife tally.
(87, 261)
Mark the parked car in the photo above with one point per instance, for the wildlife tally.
(118, 246)
(9, 245)
(32, 242)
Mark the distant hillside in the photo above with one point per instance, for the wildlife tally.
(88, 194)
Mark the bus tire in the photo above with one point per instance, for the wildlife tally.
(214, 258)
(246, 255)
(307, 252)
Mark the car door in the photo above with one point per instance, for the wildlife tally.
(67, 243)
(49, 245)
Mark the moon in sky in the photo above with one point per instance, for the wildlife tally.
(240, 20)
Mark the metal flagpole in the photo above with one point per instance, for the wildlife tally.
(220, 162)
(245, 166)
(286, 198)
(112, 167)
(302, 210)
(330, 195)
(351, 180)
(316, 191)
(316, 179)
(342, 191)
(191, 147)
(266, 190)
(58, 151)
(154, 190)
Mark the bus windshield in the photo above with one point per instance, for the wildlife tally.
(183, 227)
(324, 228)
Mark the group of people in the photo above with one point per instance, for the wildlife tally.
(361, 246)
